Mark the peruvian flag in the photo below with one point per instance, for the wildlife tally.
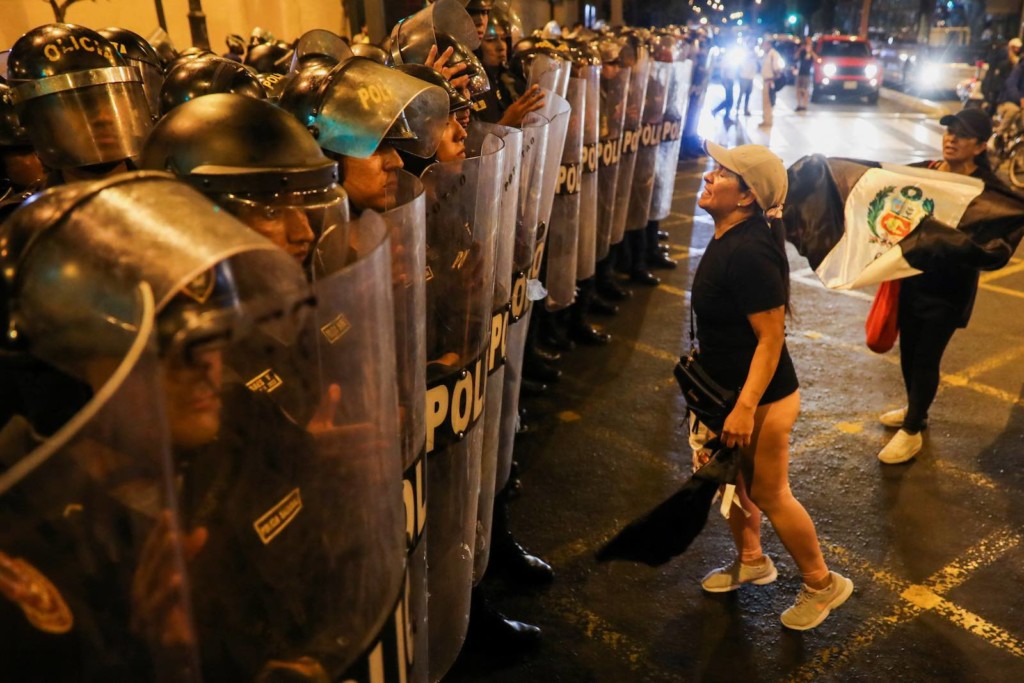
(860, 223)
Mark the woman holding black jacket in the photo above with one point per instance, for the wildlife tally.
(740, 297)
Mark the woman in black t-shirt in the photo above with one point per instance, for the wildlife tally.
(740, 297)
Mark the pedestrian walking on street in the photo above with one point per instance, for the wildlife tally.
(772, 68)
(747, 74)
(805, 59)
(936, 303)
(728, 75)
(740, 298)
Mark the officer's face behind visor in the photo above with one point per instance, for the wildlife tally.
(493, 51)
(291, 220)
(371, 183)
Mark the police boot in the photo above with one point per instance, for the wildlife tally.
(581, 331)
(492, 631)
(639, 274)
(551, 333)
(533, 347)
(508, 557)
(607, 286)
(655, 257)
(539, 370)
(532, 387)
(601, 307)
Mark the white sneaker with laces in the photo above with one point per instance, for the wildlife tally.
(811, 606)
(902, 447)
(893, 418)
(731, 577)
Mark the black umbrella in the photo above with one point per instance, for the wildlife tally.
(669, 529)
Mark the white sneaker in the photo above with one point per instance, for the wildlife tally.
(811, 606)
(893, 418)
(902, 447)
(725, 579)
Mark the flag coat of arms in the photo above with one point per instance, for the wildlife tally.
(860, 223)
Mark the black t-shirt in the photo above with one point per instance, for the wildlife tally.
(804, 62)
(740, 273)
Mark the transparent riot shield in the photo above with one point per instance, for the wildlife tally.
(501, 308)
(363, 100)
(462, 206)
(587, 243)
(614, 91)
(356, 433)
(413, 36)
(550, 72)
(557, 111)
(671, 139)
(649, 142)
(400, 650)
(563, 233)
(218, 289)
(535, 133)
(93, 585)
(631, 128)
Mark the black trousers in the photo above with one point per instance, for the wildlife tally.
(922, 343)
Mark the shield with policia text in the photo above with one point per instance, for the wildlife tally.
(563, 232)
(462, 210)
(400, 650)
(631, 129)
(586, 258)
(671, 139)
(649, 143)
(355, 327)
(847, 216)
(614, 92)
(501, 309)
(531, 178)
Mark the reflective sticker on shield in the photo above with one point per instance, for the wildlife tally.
(43, 605)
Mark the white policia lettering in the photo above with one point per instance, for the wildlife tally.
(499, 339)
(459, 407)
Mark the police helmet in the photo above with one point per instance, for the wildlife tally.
(456, 100)
(269, 57)
(80, 100)
(206, 75)
(143, 57)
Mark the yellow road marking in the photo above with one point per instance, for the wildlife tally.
(655, 352)
(1003, 290)
(991, 363)
(596, 628)
(850, 427)
(569, 416)
(674, 291)
(1002, 272)
(975, 478)
(918, 598)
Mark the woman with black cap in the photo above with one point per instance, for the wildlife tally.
(740, 298)
(934, 304)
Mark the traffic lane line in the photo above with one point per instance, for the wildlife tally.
(916, 600)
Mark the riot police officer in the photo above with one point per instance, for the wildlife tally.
(500, 105)
(83, 106)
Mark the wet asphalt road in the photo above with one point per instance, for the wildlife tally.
(935, 547)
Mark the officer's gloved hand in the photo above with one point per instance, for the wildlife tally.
(158, 613)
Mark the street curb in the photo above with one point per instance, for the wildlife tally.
(924, 106)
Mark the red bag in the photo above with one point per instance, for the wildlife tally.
(881, 327)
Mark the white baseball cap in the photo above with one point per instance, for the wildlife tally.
(760, 168)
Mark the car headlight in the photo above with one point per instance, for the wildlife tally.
(871, 70)
(829, 70)
(929, 73)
